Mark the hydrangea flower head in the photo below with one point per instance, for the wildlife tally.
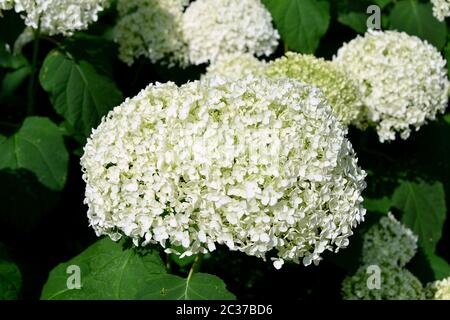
(395, 284)
(6, 5)
(257, 165)
(212, 28)
(340, 90)
(439, 290)
(403, 80)
(152, 29)
(389, 242)
(238, 65)
(59, 16)
(441, 9)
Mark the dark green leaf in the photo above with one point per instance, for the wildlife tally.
(200, 286)
(21, 197)
(355, 20)
(9, 60)
(38, 147)
(108, 271)
(301, 23)
(10, 277)
(440, 267)
(12, 81)
(424, 210)
(429, 266)
(95, 50)
(381, 205)
(382, 3)
(77, 91)
(417, 19)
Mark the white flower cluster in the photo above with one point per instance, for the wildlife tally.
(396, 284)
(340, 90)
(439, 290)
(441, 9)
(6, 5)
(238, 66)
(213, 28)
(57, 16)
(152, 29)
(257, 165)
(389, 242)
(403, 80)
(388, 245)
(175, 32)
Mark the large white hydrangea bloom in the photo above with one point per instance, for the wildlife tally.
(441, 9)
(256, 165)
(212, 28)
(389, 242)
(59, 16)
(403, 80)
(439, 290)
(151, 28)
(340, 90)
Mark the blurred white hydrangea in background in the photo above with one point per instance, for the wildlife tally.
(389, 242)
(340, 90)
(441, 9)
(388, 245)
(403, 80)
(238, 65)
(152, 29)
(439, 290)
(212, 28)
(257, 165)
(57, 16)
(396, 284)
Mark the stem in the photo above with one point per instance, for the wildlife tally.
(286, 48)
(168, 264)
(195, 265)
(32, 83)
(56, 43)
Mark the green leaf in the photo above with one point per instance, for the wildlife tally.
(12, 81)
(38, 147)
(108, 271)
(9, 60)
(77, 91)
(301, 23)
(95, 50)
(200, 286)
(355, 20)
(424, 210)
(381, 205)
(382, 3)
(10, 277)
(440, 267)
(21, 197)
(429, 266)
(417, 19)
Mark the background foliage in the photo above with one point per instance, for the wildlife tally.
(51, 98)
